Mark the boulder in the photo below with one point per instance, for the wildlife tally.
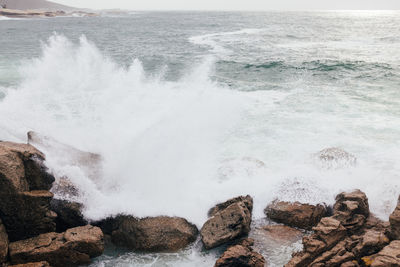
(389, 256)
(32, 264)
(3, 243)
(335, 157)
(69, 214)
(394, 220)
(72, 248)
(152, 234)
(228, 222)
(241, 255)
(247, 200)
(296, 214)
(24, 197)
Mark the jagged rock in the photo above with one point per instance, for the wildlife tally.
(296, 214)
(24, 199)
(335, 157)
(227, 224)
(74, 247)
(247, 200)
(3, 243)
(351, 209)
(32, 264)
(342, 239)
(371, 242)
(152, 234)
(350, 264)
(281, 234)
(69, 214)
(394, 220)
(336, 256)
(389, 256)
(241, 255)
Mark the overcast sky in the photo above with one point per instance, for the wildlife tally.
(234, 4)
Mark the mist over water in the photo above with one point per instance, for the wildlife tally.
(188, 114)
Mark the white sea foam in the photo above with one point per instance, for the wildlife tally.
(165, 143)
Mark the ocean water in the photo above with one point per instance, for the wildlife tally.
(188, 109)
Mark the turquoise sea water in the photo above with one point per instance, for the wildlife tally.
(183, 106)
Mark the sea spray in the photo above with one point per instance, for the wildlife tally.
(164, 143)
(160, 140)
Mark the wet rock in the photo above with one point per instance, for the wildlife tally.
(350, 264)
(72, 248)
(69, 214)
(296, 214)
(32, 264)
(247, 200)
(336, 256)
(335, 157)
(352, 209)
(241, 255)
(394, 221)
(371, 242)
(281, 234)
(389, 256)
(152, 234)
(326, 235)
(3, 243)
(227, 224)
(24, 199)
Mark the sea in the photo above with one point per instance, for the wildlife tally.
(188, 109)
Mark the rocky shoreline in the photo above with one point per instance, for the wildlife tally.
(37, 230)
(16, 13)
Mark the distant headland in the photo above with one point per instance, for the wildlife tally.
(39, 8)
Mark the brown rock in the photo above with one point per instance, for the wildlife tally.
(394, 220)
(74, 247)
(226, 225)
(247, 200)
(153, 234)
(389, 256)
(371, 242)
(24, 199)
(69, 214)
(3, 243)
(240, 255)
(350, 264)
(32, 264)
(296, 214)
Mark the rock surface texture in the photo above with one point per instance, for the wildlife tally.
(152, 234)
(69, 214)
(296, 214)
(72, 248)
(3, 244)
(24, 196)
(347, 238)
(241, 255)
(32, 264)
(228, 221)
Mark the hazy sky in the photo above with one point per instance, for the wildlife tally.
(234, 4)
